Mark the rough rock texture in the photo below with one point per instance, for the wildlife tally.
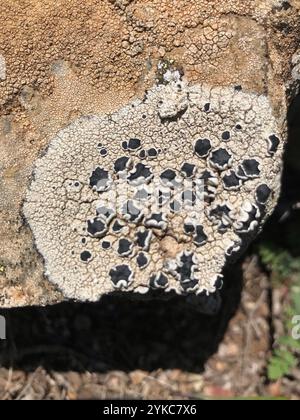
(69, 75)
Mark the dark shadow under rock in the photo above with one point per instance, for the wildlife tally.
(118, 333)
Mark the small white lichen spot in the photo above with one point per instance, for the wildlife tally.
(2, 68)
(161, 194)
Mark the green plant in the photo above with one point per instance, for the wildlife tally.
(280, 262)
(286, 355)
(281, 363)
(283, 262)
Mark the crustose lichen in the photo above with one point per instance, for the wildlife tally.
(157, 195)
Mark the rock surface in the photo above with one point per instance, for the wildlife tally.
(62, 62)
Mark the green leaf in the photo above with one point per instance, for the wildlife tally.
(275, 370)
(281, 364)
(289, 342)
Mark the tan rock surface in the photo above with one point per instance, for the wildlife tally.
(60, 60)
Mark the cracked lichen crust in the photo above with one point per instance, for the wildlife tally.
(159, 195)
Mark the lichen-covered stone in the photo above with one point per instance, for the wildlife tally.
(77, 193)
(69, 75)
